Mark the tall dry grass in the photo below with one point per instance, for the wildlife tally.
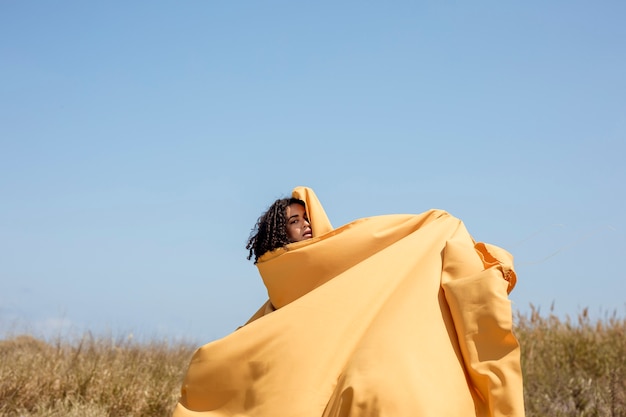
(571, 368)
(90, 377)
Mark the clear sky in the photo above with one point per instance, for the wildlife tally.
(140, 141)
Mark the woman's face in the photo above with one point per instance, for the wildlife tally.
(298, 227)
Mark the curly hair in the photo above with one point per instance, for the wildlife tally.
(270, 230)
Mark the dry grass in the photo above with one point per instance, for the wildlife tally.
(571, 369)
(90, 377)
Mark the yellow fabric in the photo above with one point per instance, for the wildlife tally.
(396, 315)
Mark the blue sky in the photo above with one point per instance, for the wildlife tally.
(139, 142)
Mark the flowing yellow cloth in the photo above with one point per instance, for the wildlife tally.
(394, 316)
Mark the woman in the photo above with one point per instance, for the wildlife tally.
(284, 222)
(387, 316)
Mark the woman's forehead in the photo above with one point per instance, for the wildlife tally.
(295, 209)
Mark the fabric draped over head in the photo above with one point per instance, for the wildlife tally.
(320, 224)
(394, 315)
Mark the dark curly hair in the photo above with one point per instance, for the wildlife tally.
(270, 231)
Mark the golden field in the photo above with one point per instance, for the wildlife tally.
(571, 368)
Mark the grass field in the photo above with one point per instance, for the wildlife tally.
(571, 368)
